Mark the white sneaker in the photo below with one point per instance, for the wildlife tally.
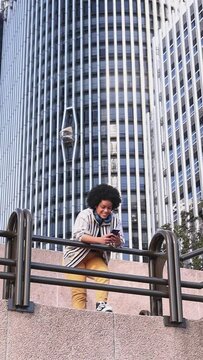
(103, 306)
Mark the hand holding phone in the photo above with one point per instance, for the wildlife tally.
(116, 240)
(115, 231)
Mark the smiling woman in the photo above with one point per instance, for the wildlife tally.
(95, 225)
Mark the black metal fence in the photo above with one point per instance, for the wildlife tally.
(18, 265)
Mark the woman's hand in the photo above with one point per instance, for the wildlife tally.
(115, 240)
(109, 239)
(105, 239)
(102, 240)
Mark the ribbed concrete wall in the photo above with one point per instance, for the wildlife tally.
(65, 334)
(122, 303)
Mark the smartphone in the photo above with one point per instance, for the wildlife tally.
(115, 232)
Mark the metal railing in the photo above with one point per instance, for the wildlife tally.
(18, 259)
(163, 248)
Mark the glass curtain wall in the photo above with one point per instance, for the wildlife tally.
(87, 64)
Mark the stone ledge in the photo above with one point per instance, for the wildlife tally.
(67, 334)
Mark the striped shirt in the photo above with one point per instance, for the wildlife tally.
(86, 224)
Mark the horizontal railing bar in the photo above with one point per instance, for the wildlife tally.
(7, 275)
(191, 297)
(113, 288)
(105, 274)
(96, 286)
(111, 275)
(191, 285)
(7, 234)
(11, 234)
(65, 242)
(123, 250)
(191, 254)
(9, 262)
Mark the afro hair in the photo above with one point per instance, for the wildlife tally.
(103, 192)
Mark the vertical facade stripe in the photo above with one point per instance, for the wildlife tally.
(82, 111)
(125, 90)
(90, 95)
(98, 93)
(107, 88)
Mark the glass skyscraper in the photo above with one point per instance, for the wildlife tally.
(86, 66)
(178, 116)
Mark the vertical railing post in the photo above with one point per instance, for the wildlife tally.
(7, 255)
(178, 279)
(173, 266)
(19, 261)
(19, 249)
(27, 260)
(171, 280)
(14, 250)
(156, 266)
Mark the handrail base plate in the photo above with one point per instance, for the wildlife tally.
(26, 309)
(169, 323)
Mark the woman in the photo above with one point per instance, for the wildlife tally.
(94, 225)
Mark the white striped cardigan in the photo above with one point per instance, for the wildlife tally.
(86, 224)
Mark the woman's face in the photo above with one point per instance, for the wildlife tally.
(104, 208)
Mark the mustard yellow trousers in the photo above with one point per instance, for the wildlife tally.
(93, 261)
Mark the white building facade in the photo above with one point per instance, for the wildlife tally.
(178, 115)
